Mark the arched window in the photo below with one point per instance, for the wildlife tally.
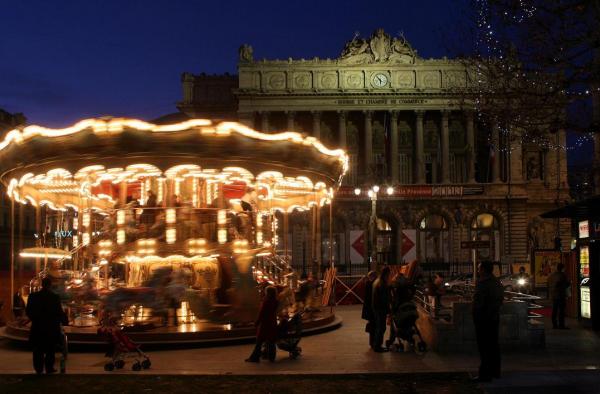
(385, 243)
(485, 227)
(434, 239)
(383, 225)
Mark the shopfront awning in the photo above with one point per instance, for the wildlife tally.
(588, 208)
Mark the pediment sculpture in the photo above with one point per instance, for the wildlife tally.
(379, 48)
(246, 53)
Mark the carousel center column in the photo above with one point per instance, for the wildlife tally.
(419, 164)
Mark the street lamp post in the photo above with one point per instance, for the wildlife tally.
(372, 193)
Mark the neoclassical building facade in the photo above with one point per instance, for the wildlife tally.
(445, 178)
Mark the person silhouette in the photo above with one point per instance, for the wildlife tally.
(46, 314)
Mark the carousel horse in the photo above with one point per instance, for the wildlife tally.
(159, 293)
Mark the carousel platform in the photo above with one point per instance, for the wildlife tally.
(198, 333)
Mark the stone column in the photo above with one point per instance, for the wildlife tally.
(470, 147)
(496, 146)
(290, 120)
(316, 127)
(516, 162)
(394, 147)
(369, 142)
(342, 129)
(419, 160)
(264, 120)
(445, 146)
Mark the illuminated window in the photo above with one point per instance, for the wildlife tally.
(485, 227)
(434, 239)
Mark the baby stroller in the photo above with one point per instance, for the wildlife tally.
(122, 347)
(404, 327)
(289, 335)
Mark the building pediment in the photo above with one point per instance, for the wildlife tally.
(380, 47)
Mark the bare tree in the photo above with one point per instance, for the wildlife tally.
(534, 66)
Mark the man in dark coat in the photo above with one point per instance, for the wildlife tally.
(46, 315)
(557, 287)
(487, 301)
(367, 309)
(381, 307)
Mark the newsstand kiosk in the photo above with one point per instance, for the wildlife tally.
(585, 218)
(588, 248)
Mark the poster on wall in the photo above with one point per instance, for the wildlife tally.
(409, 246)
(357, 247)
(584, 261)
(516, 267)
(545, 263)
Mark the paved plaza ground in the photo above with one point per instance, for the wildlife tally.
(570, 360)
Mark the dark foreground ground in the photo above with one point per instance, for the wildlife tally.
(538, 382)
(356, 383)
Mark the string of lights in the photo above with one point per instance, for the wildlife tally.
(496, 56)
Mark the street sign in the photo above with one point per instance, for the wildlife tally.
(475, 244)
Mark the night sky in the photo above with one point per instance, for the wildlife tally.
(61, 61)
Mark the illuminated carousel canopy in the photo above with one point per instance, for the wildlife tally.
(58, 167)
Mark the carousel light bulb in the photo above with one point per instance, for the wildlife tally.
(177, 186)
(160, 189)
(121, 237)
(171, 216)
(195, 192)
(85, 238)
(259, 237)
(357, 191)
(371, 193)
(222, 236)
(259, 220)
(120, 217)
(390, 191)
(221, 217)
(171, 235)
(376, 189)
(86, 219)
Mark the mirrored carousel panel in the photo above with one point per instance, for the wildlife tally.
(171, 231)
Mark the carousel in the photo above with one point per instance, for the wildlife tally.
(168, 231)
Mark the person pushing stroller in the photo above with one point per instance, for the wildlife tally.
(403, 315)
